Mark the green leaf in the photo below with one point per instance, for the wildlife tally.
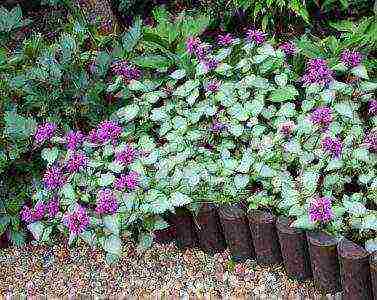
(281, 80)
(18, 127)
(371, 245)
(50, 154)
(241, 181)
(112, 244)
(145, 240)
(106, 179)
(360, 71)
(354, 208)
(178, 74)
(68, 193)
(368, 86)
(303, 222)
(111, 223)
(153, 62)
(284, 94)
(132, 36)
(344, 109)
(179, 199)
(36, 229)
(310, 181)
(128, 113)
(115, 167)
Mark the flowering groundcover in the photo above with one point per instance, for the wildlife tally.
(239, 125)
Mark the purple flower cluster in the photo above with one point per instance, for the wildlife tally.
(106, 131)
(333, 146)
(322, 116)
(287, 128)
(74, 139)
(194, 46)
(107, 202)
(126, 156)
(129, 181)
(256, 36)
(371, 140)
(44, 132)
(288, 48)
(320, 210)
(76, 162)
(210, 63)
(225, 39)
(372, 107)
(201, 51)
(317, 71)
(77, 221)
(32, 215)
(213, 86)
(53, 178)
(124, 69)
(351, 58)
(53, 207)
(38, 213)
(217, 127)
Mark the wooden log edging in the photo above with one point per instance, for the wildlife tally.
(208, 229)
(237, 233)
(295, 251)
(336, 266)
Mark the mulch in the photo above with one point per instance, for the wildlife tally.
(162, 270)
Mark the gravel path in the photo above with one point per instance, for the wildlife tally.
(58, 271)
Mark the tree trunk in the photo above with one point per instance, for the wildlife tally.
(99, 13)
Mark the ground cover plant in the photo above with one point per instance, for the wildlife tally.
(134, 125)
(240, 125)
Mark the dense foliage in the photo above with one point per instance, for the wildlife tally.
(127, 127)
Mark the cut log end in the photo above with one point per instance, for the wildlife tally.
(349, 250)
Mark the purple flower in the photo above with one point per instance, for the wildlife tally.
(53, 207)
(256, 36)
(39, 212)
(322, 116)
(74, 139)
(192, 44)
(195, 47)
(53, 178)
(44, 132)
(129, 181)
(124, 69)
(127, 156)
(217, 126)
(76, 162)
(317, 71)
(210, 63)
(371, 140)
(351, 58)
(106, 131)
(106, 202)
(372, 107)
(225, 39)
(77, 221)
(286, 128)
(332, 145)
(26, 214)
(320, 210)
(288, 48)
(213, 86)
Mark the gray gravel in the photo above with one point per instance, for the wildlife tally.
(58, 270)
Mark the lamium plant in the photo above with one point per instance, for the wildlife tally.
(97, 187)
(243, 124)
